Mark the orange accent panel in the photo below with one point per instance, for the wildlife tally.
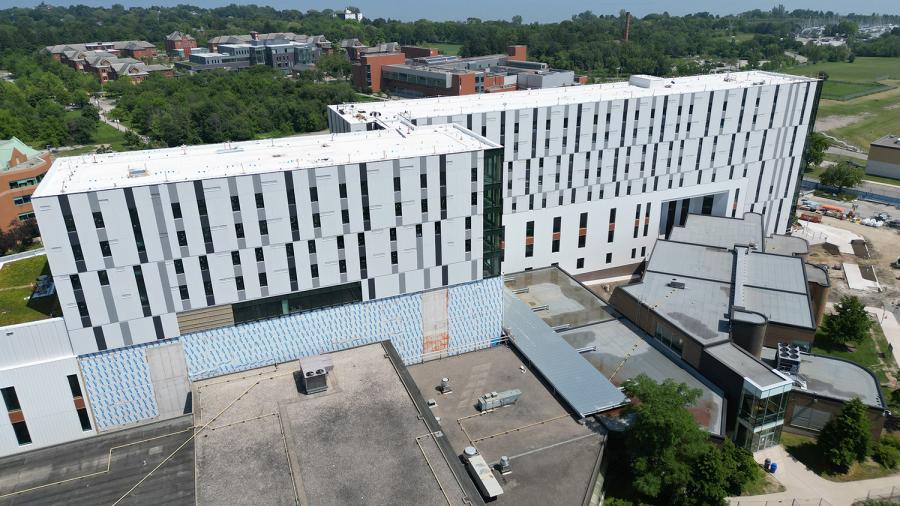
(582, 231)
(79, 403)
(556, 236)
(529, 240)
(612, 226)
(16, 416)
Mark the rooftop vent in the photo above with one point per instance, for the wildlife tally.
(676, 284)
(787, 358)
(137, 172)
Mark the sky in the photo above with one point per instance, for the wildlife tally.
(530, 10)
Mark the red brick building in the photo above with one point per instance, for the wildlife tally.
(21, 169)
(366, 72)
(179, 40)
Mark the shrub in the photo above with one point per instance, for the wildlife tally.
(886, 455)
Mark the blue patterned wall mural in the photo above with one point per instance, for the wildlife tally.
(475, 315)
(119, 386)
(121, 391)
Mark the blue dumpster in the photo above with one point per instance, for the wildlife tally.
(772, 467)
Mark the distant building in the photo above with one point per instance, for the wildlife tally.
(414, 72)
(21, 169)
(351, 15)
(284, 51)
(110, 60)
(884, 157)
(178, 40)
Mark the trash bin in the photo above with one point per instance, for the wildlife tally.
(766, 464)
(773, 467)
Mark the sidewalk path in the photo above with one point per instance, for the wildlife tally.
(801, 483)
(891, 329)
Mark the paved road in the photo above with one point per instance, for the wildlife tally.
(105, 106)
(801, 483)
(846, 152)
(172, 484)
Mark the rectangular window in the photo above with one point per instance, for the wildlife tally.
(313, 194)
(557, 224)
(397, 183)
(260, 203)
(317, 220)
(263, 280)
(555, 248)
(239, 282)
(314, 270)
(74, 386)
(345, 216)
(529, 229)
(103, 277)
(201, 207)
(582, 222)
(76, 282)
(423, 180)
(182, 238)
(474, 174)
(98, 220)
(579, 264)
(474, 198)
(183, 290)
(342, 190)
(394, 259)
(105, 249)
(235, 203)
(342, 266)
(529, 250)
(609, 258)
(424, 205)
(398, 209)
(10, 399)
(582, 241)
(235, 258)
(468, 245)
(393, 234)
(77, 253)
(179, 266)
(176, 210)
(263, 227)
(260, 256)
(239, 230)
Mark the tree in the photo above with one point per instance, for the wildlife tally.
(815, 149)
(740, 468)
(669, 454)
(843, 175)
(845, 438)
(849, 323)
(335, 65)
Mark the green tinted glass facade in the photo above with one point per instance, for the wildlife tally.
(493, 211)
(306, 300)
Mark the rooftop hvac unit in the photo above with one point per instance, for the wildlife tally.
(313, 376)
(787, 358)
(494, 400)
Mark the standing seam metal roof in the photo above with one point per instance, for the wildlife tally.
(582, 386)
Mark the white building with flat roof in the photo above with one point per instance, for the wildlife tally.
(177, 264)
(594, 174)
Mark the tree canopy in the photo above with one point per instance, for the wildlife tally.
(842, 175)
(671, 459)
(815, 149)
(845, 438)
(220, 106)
(849, 323)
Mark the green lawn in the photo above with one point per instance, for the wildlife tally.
(816, 172)
(443, 47)
(865, 353)
(863, 70)
(105, 134)
(16, 286)
(875, 116)
(764, 483)
(804, 449)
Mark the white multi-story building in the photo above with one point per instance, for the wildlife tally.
(170, 264)
(593, 175)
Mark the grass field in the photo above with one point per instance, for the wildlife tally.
(873, 116)
(846, 80)
(444, 48)
(105, 134)
(16, 285)
(804, 449)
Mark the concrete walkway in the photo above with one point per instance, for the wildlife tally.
(891, 329)
(803, 485)
(817, 233)
(856, 281)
